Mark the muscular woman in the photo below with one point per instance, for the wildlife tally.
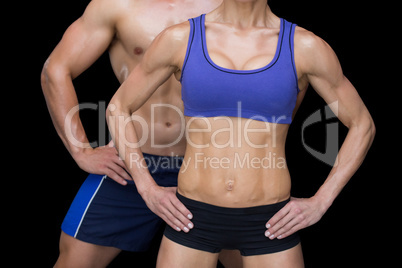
(244, 72)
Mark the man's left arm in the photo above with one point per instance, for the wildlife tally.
(317, 63)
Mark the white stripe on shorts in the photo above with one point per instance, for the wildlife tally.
(89, 203)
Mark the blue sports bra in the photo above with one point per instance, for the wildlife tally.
(266, 94)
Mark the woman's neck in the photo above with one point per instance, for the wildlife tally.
(244, 13)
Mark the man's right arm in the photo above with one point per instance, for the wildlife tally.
(82, 44)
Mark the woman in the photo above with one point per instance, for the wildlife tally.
(244, 73)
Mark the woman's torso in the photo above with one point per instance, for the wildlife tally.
(238, 110)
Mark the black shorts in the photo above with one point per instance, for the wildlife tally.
(217, 228)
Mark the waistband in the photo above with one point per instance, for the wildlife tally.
(190, 203)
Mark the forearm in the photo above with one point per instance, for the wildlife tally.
(350, 157)
(122, 130)
(62, 104)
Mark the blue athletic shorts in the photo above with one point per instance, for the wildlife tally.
(108, 214)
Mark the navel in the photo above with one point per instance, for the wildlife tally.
(229, 185)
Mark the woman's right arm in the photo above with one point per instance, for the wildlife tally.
(158, 64)
(163, 58)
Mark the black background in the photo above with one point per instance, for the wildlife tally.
(43, 178)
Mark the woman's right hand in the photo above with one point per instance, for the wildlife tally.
(164, 203)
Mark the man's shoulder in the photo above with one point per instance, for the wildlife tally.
(112, 3)
(110, 9)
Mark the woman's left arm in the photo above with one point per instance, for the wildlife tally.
(317, 63)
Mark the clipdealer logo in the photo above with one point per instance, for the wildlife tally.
(324, 115)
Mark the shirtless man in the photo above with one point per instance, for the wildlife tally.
(238, 104)
(94, 233)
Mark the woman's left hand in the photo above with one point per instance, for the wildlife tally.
(299, 213)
